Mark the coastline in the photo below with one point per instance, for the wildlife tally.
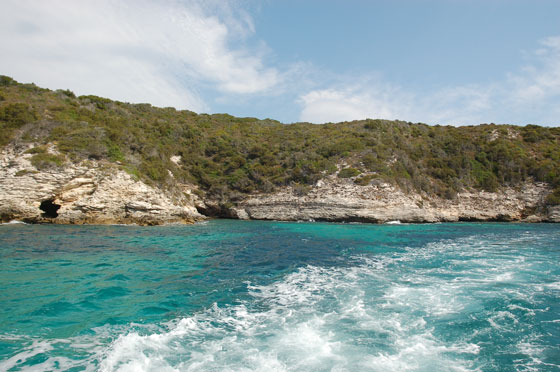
(100, 192)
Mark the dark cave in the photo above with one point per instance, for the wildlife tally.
(49, 208)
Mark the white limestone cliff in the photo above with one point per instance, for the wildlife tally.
(99, 192)
(89, 192)
(335, 199)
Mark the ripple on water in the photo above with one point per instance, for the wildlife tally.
(109, 293)
(461, 304)
(119, 277)
(55, 309)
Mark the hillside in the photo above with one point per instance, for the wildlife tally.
(227, 160)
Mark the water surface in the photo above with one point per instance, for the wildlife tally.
(271, 296)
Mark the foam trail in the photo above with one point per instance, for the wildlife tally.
(451, 305)
(310, 323)
(356, 318)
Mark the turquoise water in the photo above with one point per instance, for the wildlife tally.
(269, 296)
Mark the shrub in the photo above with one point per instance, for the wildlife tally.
(364, 180)
(374, 124)
(6, 81)
(23, 172)
(15, 115)
(114, 152)
(488, 182)
(348, 172)
(153, 170)
(82, 140)
(36, 150)
(44, 161)
(373, 163)
(68, 93)
(99, 102)
(230, 155)
(301, 190)
(554, 197)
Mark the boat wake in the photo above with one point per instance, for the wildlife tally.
(432, 308)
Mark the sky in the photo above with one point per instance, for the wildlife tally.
(448, 62)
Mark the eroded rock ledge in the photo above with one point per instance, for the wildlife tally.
(334, 199)
(94, 192)
(87, 193)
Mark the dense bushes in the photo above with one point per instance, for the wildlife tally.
(554, 197)
(226, 155)
(6, 81)
(16, 114)
(43, 160)
(13, 116)
(348, 172)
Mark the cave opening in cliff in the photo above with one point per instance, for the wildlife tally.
(50, 208)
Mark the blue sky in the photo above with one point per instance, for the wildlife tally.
(435, 61)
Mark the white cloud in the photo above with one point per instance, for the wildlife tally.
(354, 101)
(138, 51)
(349, 103)
(531, 95)
(540, 81)
(168, 52)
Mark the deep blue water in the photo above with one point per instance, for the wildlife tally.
(270, 296)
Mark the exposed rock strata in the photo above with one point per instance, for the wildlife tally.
(101, 193)
(89, 192)
(334, 199)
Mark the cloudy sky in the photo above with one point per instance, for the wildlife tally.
(434, 61)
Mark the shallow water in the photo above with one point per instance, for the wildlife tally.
(269, 296)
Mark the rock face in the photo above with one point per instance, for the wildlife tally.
(89, 192)
(554, 214)
(334, 199)
(101, 193)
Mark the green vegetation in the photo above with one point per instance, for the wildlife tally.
(364, 180)
(23, 172)
(348, 172)
(47, 161)
(229, 156)
(554, 197)
(13, 116)
(42, 159)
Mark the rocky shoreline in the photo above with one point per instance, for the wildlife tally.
(100, 192)
(342, 200)
(86, 193)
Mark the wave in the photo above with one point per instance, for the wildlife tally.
(315, 319)
(14, 222)
(385, 313)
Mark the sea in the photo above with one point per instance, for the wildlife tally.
(226, 295)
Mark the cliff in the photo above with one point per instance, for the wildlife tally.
(335, 199)
(87, 159)
(88, 192)
(93, 192)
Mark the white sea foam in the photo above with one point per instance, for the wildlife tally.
(37, 347)
(14, 222)
(396, 222)
(308, 324)
(374, 316)
(533, 350)
(326, 318)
